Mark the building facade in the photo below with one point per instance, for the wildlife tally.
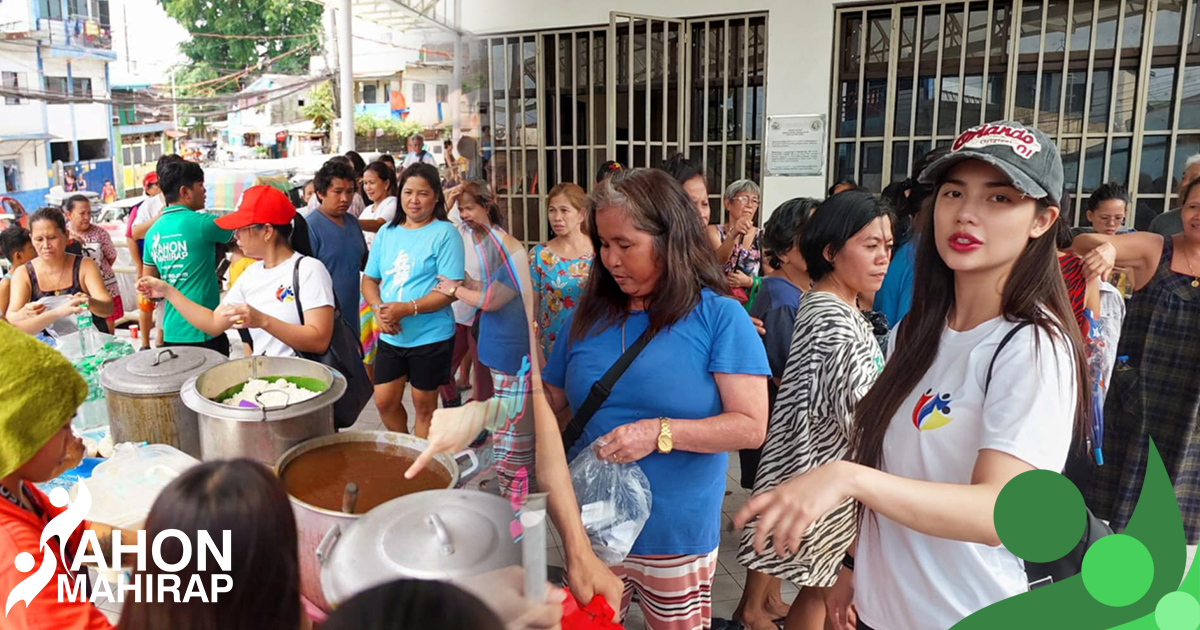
(53, 60)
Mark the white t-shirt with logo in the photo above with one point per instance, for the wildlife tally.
(905, 580)
(270, 291)
(385, 210)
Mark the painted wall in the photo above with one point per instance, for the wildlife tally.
(31, 160)
(25, 118)
(799, 50)
(427, 112)
(92, 120)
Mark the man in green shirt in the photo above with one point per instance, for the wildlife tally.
(181, 249)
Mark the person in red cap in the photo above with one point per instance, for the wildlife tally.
(266, 300)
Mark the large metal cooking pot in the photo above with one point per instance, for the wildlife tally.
(314, 523)
(265, 433)
(142, 395)
(431, 535)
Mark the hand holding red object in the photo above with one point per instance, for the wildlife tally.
(597, 615)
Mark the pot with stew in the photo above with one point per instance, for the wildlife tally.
(316, 474)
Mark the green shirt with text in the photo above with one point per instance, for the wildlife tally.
(181, 245)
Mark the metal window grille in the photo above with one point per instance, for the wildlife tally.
(556, 104)
(1116, 84)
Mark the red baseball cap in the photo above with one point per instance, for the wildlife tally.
(149, 178)
(260, 205)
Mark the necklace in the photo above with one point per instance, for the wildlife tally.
(1188, 258)
(58, 281)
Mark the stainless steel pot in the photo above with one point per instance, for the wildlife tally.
(141, 392)
(265, 433)
(314, 523)
(431, 535)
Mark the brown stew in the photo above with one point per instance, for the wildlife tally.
(319, 477)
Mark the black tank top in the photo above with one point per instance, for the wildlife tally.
(36, 293)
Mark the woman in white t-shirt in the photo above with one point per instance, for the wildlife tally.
(266, 298)
(379, 183)
(931, 450)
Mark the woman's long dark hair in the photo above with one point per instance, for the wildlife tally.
(1034, 292)
(247, 499)
(429, 173)
(405, 604)
(656, 205)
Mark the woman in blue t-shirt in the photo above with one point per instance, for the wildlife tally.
(696, 391)
(416, 324)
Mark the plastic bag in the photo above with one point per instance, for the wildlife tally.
(125, 486)
(615, 503)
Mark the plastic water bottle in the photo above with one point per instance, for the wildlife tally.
(87, 333)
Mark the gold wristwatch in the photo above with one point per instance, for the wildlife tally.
(666, 442)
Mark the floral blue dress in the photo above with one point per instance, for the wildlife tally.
(559, 283)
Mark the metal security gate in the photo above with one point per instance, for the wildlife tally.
(1116, 83)
(647, 117)
(556, 104)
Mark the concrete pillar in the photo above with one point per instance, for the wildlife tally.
(346, 74)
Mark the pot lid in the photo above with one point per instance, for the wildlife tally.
(159, 371)
(431, 535)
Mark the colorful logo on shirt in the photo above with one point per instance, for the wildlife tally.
(932, 411)
(285, 294)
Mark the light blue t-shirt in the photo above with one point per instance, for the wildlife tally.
(672, 378)
(407, 263)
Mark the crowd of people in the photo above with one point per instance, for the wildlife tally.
(883, 364)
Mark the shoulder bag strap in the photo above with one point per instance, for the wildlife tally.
(601, 389)
(296, 289)
(1003, 342)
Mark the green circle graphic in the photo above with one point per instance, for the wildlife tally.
(1118, 570)
(1040, 516)
(1177, 611)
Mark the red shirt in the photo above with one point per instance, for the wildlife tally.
(21, 530)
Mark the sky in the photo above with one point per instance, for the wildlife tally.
(147, 45)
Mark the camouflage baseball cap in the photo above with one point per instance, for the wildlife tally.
(1028, 157)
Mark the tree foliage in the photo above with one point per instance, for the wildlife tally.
(319, 108)
(369, 125)
(266, 20)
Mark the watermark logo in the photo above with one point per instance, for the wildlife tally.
(164, 584)
(1130, 580)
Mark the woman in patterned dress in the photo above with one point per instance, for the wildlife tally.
(738, 242)
(98, 246)
(561, 266)
(1155, 394)
(833, 361)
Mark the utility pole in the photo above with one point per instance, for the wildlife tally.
(174, 103)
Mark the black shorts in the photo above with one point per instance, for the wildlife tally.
(426, 367)
(220, 343)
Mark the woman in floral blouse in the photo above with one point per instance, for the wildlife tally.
(560, 267)
(98, 245)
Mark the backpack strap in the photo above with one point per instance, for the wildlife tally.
(296, 289)
(1003, 342)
